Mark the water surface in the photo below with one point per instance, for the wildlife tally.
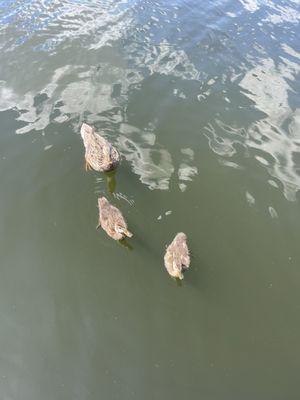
(202, 100)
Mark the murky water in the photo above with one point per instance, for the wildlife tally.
(202, 100)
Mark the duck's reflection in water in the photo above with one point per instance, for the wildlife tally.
(125, 244)
(178, 282)
(111, 181)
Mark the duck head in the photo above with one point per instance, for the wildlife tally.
(177, 272)
(122, 230)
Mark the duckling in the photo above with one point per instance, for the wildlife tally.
(177, 258)
(112, 220)
(100, 155)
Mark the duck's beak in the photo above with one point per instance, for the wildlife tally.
(180, 276)
(127, 233)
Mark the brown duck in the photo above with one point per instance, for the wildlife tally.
(177, 258)
(112, 220)
(100, 155)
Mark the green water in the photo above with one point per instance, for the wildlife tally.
(202, 102)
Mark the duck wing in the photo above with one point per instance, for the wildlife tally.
(117, 217)
(184, 254)
(97, 152)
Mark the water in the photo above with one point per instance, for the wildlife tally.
(202, 100)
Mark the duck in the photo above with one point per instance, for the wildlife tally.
(177, 257)
(111, 220)
(100, 155)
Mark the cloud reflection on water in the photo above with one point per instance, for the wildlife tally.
(277, 135)
(148, 44)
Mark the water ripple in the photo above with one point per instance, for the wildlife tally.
(234, 64)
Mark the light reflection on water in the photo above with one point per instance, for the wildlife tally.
(202, 102)
(95, 90)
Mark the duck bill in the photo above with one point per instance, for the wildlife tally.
(127, 233)
(180, 276)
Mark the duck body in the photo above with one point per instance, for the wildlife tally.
(177, 258)
(112, 220)
(100, 155)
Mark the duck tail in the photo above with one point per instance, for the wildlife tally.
(86, 131)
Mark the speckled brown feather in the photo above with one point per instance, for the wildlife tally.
(110, 219)
(99, 153)
(177, 258)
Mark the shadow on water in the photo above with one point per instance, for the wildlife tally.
(111, 181)
(122, 242)
(126, 244)
(179, 282)
(183, 282)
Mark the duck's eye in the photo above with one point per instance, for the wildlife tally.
(119, 229)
